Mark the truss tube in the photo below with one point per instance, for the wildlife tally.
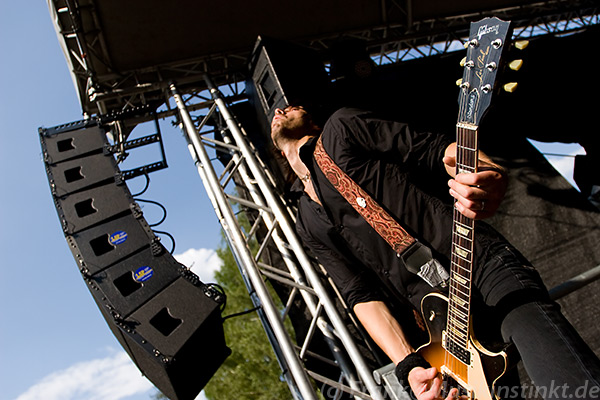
(254, 298)
(313, 307)
(289, 232)
(245, 257)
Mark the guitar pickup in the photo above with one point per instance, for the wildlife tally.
(458, 351)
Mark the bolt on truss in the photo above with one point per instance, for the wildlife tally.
(272, 227)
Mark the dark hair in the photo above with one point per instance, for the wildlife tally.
(319, 107)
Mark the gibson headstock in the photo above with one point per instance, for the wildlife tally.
(488, 41)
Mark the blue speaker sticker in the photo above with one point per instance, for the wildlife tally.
(142, 274)
(118, 237)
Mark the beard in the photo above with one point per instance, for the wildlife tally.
(289, 129)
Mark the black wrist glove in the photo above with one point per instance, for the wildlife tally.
(405, 366)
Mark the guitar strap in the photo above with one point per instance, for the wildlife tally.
(416, 256)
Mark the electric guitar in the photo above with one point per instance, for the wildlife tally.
(463, 362)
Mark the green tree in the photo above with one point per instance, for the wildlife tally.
(251, 372)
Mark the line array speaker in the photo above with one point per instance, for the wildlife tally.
(167, 320)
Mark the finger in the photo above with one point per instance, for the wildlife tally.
(481, 178)
(466, 191)
(453, 394)
(449, 161)
(436, 386)
(474, 210)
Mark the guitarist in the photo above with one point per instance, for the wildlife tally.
(402, 169)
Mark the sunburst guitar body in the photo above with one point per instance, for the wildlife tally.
(476, 379)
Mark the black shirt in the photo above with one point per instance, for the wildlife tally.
(401, 169)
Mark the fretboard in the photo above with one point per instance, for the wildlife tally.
(459, 309)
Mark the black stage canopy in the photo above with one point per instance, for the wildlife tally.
(124, 53)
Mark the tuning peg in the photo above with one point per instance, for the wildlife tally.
(471, 43)
(463, 62)
(515, 65)
(521, 44)
(459, 82)
(510, 87)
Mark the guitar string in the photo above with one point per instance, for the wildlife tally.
(463, 228)
(458, 321)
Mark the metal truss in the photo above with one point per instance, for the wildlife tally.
(389, 44)
(245, 184)
(400, 37)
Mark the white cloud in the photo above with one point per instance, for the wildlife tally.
(203, 262)
(114, 377)
(111, 378)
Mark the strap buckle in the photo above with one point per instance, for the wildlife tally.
(419, 260)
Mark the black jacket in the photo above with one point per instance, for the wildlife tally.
(403, 171)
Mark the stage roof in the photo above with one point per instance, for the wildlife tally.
(124, 53)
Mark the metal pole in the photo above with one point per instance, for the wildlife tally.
(289, 232)
(577, 282)
(295, 273)
(245, 256)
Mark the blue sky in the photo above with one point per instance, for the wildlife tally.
(53, 342)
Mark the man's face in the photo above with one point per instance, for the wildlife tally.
(292, 122)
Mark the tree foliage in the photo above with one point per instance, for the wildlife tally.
(251, 372)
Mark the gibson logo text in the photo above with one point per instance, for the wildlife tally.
(484, 30)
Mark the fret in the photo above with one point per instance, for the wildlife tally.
(458, 320)
(460, 312)
(462, 252)
(461, 222)
(455, 304)
(462, 281)
(457, 335)
(457, 286)
(464, 242)
(463, 168)
(460, 301)
(457, 315)
(457, 268)
(461, 264)
(458, 327)
(463, 231)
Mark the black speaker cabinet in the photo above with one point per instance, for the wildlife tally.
(74, 175)
(167, 320)
(85, 209)
(101, 246)
(282, 73)
(176, 339)
(71, 140)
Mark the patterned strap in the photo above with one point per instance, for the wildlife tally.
(372, 212)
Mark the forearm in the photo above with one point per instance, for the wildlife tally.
(384, 329)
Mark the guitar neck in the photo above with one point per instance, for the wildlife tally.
(459, 309)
